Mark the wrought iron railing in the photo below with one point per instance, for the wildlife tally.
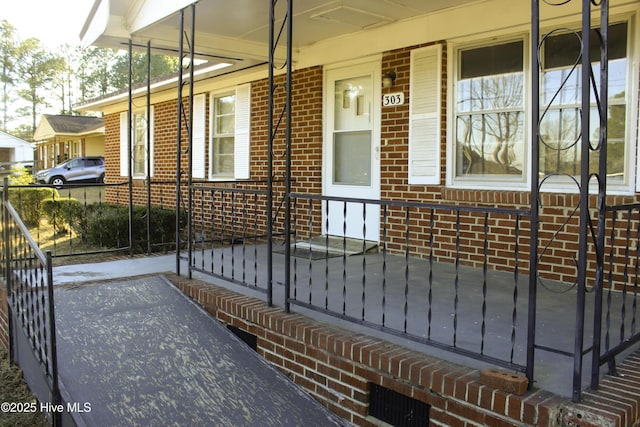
(588, 49)
(439, 273)
(90, 219)
(617, 316)
(230, 233)
(227, 234)
(28, 277)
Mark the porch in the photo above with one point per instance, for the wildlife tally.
(467, 317)
(396, 299)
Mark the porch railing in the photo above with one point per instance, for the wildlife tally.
(229, 232)
(28, 277)
(617, 316)
(438, 277)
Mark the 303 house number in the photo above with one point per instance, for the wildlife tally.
(392, 99)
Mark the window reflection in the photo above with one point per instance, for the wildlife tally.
(490, 111)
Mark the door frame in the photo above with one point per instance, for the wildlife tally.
(370, 66)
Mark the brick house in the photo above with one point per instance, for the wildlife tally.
(388, 103)
(412, 101)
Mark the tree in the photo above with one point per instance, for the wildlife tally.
(160, 66)
(64, 81)
(38, 69)
(94, 72)
(8, 49)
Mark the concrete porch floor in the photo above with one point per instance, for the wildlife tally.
(556, 315)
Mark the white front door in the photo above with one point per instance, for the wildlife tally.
(352, 149)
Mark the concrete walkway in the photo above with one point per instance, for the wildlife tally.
(138, 352)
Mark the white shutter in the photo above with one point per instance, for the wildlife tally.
(242, 132)
(424, 115)
(198, 144)
(124, 170)
(151, 143)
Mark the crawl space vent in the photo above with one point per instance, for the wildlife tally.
(249, 339)
(397, 409)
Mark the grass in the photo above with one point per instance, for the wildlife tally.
(13, 389)
(85, 194)
(68, 243)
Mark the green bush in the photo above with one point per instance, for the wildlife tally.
(20, 175)
(28, 202)
(108, 226)
(64, 214)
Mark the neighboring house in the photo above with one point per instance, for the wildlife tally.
(14, 150)
(59, 138)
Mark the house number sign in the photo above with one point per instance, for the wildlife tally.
(392, 99)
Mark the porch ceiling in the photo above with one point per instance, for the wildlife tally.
(235, 31)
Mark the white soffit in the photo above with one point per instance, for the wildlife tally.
(144, 13)
(352, 17)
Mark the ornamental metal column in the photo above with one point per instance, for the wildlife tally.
(130, 146)
(148, 148)
(188, 122)
(273, 129)
(589, 233)
(602, 101)
(191, 44)
(179, 139)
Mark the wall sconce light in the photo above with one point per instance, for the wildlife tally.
(388, 79)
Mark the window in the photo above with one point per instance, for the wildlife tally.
(489, 111)
(140, 149)
(224, 126)
(561, 95)
(229, 142)
(76, 148)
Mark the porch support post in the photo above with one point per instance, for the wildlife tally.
(602, 192)
(287, 191)
(584, 201)
(535, 170)
(190, 142)
(130, 146)
(270, 158)
(179, 141)
(149, 153)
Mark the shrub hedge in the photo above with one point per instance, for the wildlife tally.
(99, 224)
(109, 226)
(28, 201)
(63, 213)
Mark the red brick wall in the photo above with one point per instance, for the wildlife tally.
(558, 242)
(336, 367)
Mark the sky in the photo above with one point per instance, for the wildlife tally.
(54, 22)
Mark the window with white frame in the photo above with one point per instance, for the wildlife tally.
(489, 112)
(560, 125)
(140, 147)
(76, 149)
(223, 138)
(229, 134)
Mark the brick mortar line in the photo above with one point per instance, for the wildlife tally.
(311, 336)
